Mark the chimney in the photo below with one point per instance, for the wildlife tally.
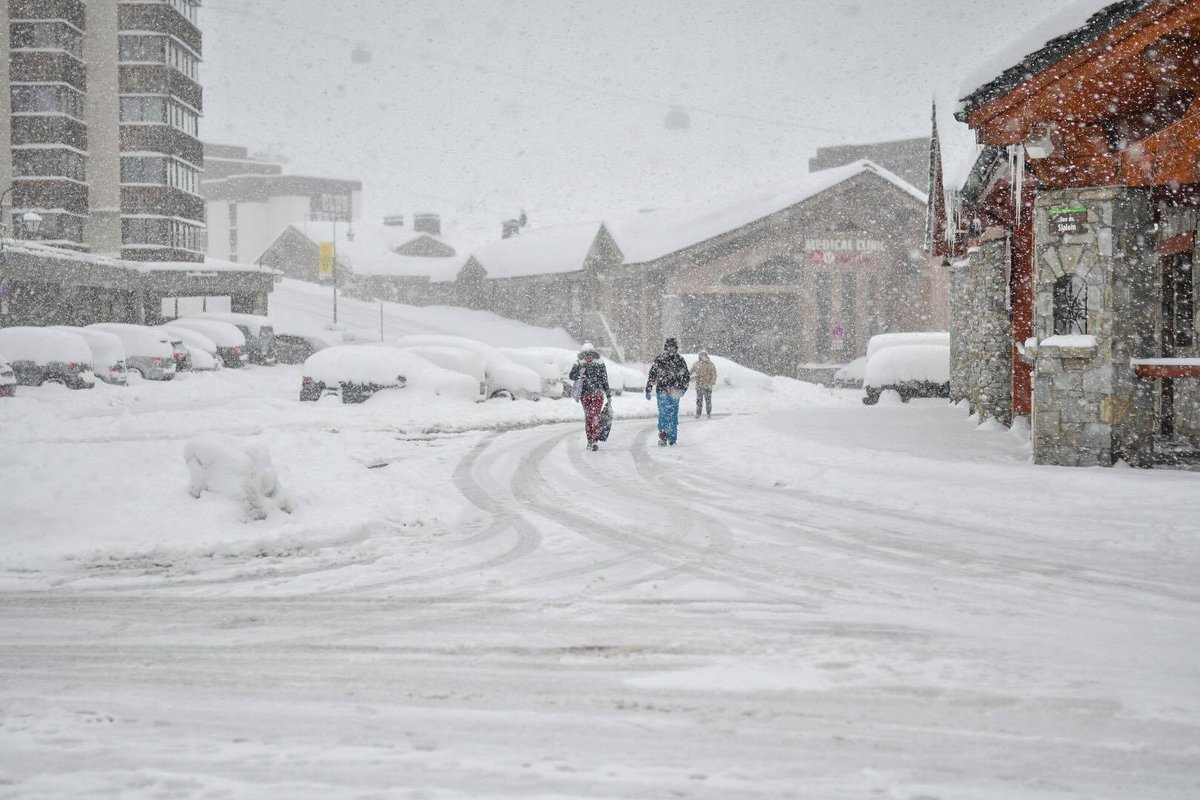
(428, 223)
(394, 221)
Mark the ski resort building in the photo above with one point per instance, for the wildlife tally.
(791, 283)
(1076, 249)
(100, 165)
(374, 260)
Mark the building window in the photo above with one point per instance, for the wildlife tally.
(160, 171)
(49, 35)
(142, 49)
(186, 8)
(160, 110)
(54, 227)
(48, 163)
(328, 205)
(1070, 305)
(160, 232)
(56, 98)
(144, 109)
(182, 59)
(1179, 301)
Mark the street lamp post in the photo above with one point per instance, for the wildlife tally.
(333, 218)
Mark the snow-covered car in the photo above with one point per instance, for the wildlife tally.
(8, 379)
(295, 348)
(882, 341)
(850, 376)
(456, 359)
(257, 329)
(505, 377)
(108, 354)
(42, 355)
(620, 376)
(230, 342)
(357, 372)
(179, 351)
(546, 368)
(202, 351)
(148, 351)
(912, 370)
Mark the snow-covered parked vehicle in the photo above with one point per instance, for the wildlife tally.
(541, 363)
(8, 379)
(504, 377)
(108, 354)
(292, 347)
(917, 369)
(357, 372)
(620, 376)
(257, 329)
(733, 375)
(43, 355)
(148, 351)
(230, 342)
(456, 359)
(202, 351)
(850, 376)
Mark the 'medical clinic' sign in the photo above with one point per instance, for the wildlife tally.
(853, 254)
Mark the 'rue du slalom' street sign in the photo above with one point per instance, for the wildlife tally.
(1068, 220)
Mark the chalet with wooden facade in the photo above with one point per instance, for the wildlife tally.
(1074, 246)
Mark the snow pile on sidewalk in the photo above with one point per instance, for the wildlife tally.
(240, 472)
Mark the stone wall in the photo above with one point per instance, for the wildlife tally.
(1088, 409)
(980, 332)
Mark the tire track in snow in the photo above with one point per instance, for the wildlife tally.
(712, 563)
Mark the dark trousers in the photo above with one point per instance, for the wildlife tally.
(703, 397)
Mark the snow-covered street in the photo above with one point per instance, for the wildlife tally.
(808, 598)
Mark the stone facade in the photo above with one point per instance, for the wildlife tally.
(1088, 408)
(980, 347)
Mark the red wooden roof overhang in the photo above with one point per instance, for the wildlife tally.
(1122, 109)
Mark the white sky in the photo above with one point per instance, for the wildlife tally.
(477, 109)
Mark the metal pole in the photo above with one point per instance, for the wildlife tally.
(335, 269)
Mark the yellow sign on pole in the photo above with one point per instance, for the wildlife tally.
(325, 261)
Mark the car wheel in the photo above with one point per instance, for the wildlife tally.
(502, 393)
(872, 397)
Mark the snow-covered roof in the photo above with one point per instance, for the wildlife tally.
(372, 250)
(1047, 42)
(539, 251)
(652, 235)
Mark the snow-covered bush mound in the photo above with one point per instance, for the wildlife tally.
(734, 375)
(908, 363)
(238, 471)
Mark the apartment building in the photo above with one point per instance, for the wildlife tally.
(99, 137)
(250, 201)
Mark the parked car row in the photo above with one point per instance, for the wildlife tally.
(356, 372)
(109, 351)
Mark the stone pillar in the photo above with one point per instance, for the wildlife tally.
(980, 331)
(1088, 408)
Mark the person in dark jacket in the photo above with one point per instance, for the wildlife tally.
(592, 375)
(669, 378)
